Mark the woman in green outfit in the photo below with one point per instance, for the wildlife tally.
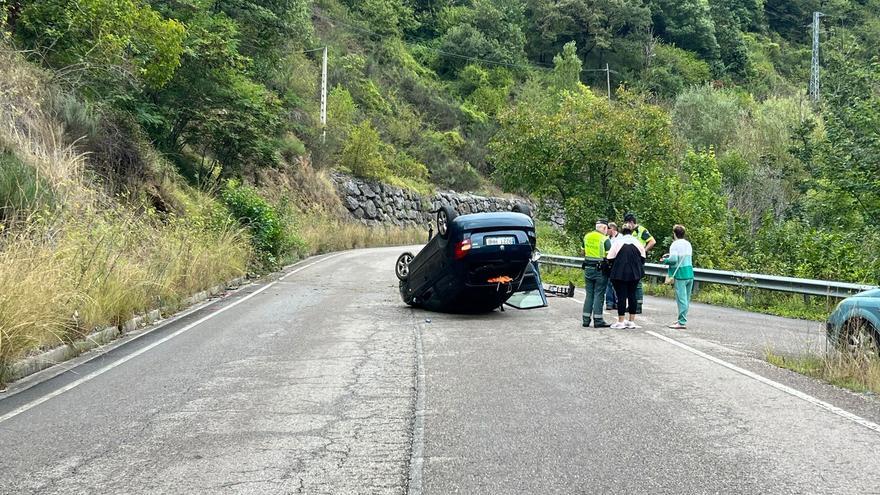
(681, 268)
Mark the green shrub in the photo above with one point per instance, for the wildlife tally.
(362, 154)
(270, 236)
(21, 189)
(674, 70)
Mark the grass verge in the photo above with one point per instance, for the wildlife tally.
(858, 374)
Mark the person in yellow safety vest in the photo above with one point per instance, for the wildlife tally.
(596, 246)
(647, 241)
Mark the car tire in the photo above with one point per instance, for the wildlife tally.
(401, 267)
(859, 339)
(445, 216)
(522, 208)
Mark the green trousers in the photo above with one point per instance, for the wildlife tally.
(683, 290)
(640, 297)
(595, 284)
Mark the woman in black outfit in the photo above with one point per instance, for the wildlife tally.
(627, 270)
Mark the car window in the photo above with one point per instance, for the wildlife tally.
(529, 299)
(531, 293)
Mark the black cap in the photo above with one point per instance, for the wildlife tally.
(602, 221)
(629, 217)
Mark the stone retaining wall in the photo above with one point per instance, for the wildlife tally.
(375, 203)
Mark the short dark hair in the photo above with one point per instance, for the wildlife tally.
(679, 231)
(626, 230)
(630, 217)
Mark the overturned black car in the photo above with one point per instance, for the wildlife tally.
(476, 263)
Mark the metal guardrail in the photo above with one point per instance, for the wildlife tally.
(803, 286)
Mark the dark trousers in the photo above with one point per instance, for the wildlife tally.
(626, 296)
(610, 297)
(594, 283)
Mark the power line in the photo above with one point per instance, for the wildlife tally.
(417, 43)
(437, 50)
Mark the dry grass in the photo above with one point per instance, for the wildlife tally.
(324, 233)
(63, 279)
(86, 260)
(860, 374)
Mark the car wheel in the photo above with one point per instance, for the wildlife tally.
(522, 208)
(401, 268)
(445, 215)
(860, 339)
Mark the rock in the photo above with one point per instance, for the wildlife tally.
(351, 188)
(351, 203)
(370, 210)
(367, 191)
(358, 213)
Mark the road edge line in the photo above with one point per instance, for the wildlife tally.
(766, 381)
(100, 371)
(417, 451)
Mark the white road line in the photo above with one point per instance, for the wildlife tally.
(123, 360)
(778, 386)
(417, 454)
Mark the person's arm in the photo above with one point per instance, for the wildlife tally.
(607, 246)
(649, 240)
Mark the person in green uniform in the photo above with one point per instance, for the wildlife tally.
(596, 246)
(681, 269)
(647, 241)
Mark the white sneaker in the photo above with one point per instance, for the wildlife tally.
(631, 324)
(618, 325)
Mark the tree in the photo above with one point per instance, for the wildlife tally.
(849, 155)
(567, 66)
(597, 157)
(487, 30)
(99, 42)
(592, 24)
(688, 24)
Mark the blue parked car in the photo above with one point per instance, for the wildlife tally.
(476, 263)
(854, 324)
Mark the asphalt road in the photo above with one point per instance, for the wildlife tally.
(324, 382)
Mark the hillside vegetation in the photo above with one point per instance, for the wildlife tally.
(150, 148)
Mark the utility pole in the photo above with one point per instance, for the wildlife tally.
(608, 79)
(814, 68)
(324, 98)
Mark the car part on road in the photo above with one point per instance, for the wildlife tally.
(560, 290)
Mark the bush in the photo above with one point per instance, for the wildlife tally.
(674, 70)
(362, 154)
(21, 189)
(270, 236)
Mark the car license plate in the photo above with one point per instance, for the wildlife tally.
(500, 240)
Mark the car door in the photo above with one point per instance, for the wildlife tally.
(530, 293)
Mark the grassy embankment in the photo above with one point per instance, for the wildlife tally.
(75, 256)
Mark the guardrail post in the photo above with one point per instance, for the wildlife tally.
(806, 299)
